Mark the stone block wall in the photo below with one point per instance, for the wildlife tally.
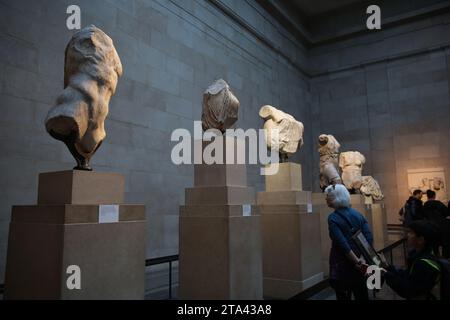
(171, 50)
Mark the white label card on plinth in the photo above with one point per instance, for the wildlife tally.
(108, 213)
(309, 207)
(246, 210)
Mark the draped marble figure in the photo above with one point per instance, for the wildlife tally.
(371, 188)
(290, 131)
(220, 107)
(329, 160)
(91, 70)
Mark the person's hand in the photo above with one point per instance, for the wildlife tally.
(361, 266)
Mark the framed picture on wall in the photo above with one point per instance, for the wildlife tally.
(428, 178)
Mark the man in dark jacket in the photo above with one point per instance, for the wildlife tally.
(436, 212)
(413, 208)
(422, 273)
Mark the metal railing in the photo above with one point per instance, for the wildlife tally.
(390, 248)
(161, 260)
(388, 251)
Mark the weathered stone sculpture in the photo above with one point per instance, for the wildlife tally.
(371, 188)
(290, 131)
(329, 160)
(91, 71)
(220, 107)
(351, 163)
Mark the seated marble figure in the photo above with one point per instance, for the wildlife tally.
(351, 163)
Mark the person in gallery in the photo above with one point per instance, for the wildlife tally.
(434, 210)
(437, 213)
(347, 269)
(417, 281)
(413, 208)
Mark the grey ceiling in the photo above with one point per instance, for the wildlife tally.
(314, 7)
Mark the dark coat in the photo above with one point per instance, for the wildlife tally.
(417, 281)
(340, 233)
(436, 212)
(412, 210)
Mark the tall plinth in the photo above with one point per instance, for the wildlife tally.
(320, 205)
(79, 242)
(220, 234)
(291, 234)
(375, 213)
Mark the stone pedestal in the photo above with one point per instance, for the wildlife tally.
(358, 203)
(291, 235)
(375, 214)
(220, 235)
(80, 220)
(320, 205)
(288, 178)
(378, 222)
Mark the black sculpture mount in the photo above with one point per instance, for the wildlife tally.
(69, 141)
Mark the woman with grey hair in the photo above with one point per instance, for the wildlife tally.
(347, 269)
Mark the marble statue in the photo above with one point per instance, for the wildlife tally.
(351, 163)
(220, 107)
(92, 68)
(290, 131)
(371, 188)
(329, 160)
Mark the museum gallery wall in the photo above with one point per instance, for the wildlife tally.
(170, 55)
